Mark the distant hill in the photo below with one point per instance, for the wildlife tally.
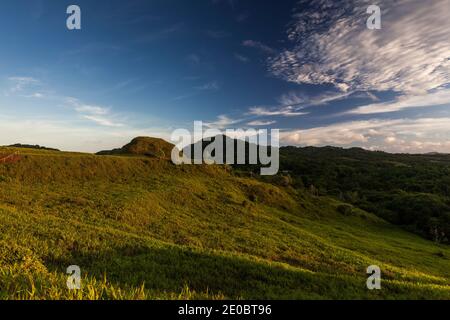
(146, 146)
(203, 144)
(29, 146)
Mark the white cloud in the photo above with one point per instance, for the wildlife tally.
(222, 122)
(339, 134)
(100, 115)
(293, 103)
(20, 83)
(92, 109)
(299, 99)
(241, 58)
(288, 111)
(390, 140)
(331, 45)
(69, 135)
(103, 121)
(292, 98)
(36, 95)
(257, 123)
(258, 45)
(210, 86)
(23, 79)
(392, 135)
(433, 98)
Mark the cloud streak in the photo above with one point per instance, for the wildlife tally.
(98, 114)
(288, 111)
(259, 45)
(258, 123)
(331, 45)
(392, 135)
(20, 83)
(434, 98)
(222, 122)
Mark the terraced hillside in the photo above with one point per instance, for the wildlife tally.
(143, 228)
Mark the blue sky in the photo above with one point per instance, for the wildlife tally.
(310, 68)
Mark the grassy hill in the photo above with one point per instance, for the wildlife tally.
(144, 146)
(143, 228)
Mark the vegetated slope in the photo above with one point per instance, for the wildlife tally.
(237, 147)
(144, 146)
(144, 228)
(412, 191)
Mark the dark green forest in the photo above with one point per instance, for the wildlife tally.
(412, 191)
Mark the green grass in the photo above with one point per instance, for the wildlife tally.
(143, 228)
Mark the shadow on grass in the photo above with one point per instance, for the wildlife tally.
(169, 269)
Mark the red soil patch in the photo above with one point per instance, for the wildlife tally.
(10, 158)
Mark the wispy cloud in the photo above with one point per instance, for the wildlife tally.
(302, 100)
(241, 58)
(37, 95)
(92, 109)
(98, 114)
(259, 45)
(193, 58)
(20, 83)
(288, 111)
(258, 123)
(210, 86)
(393, 135)
(102, 121)
(241, 17)
(433, 98)
(70, 135)
(331, 45)
(222, 122)
(292, 99)
(293, 104)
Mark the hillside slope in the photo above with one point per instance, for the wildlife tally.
(409, 190)
(143, 228)
(144, 146)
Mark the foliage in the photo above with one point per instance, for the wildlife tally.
(408, 190)
(143, 228)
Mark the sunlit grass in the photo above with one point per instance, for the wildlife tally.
(143, 228)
